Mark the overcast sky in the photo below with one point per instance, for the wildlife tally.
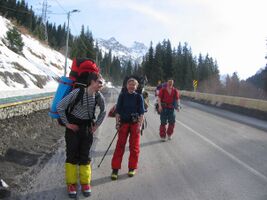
(234, 32)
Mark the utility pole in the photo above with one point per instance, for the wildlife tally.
(44, 20)
(67, 40)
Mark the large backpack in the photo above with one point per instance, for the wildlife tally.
(78, 78)
(80, 65)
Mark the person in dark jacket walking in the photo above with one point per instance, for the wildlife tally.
(80, 126)
(129, 118)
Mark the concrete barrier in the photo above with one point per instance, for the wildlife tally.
(24, 107)
(217, 100)
(30, 106)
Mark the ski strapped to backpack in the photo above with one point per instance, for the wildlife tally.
(77, 79)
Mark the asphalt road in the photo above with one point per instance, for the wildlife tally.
(211, 157)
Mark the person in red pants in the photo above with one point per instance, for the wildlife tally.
(168, 101)
(129, 118)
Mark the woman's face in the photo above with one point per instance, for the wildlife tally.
(170, 83)
(97, 84)
(131, 86)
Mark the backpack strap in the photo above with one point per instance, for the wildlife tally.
(174, 96)
(80, 98)
(163, 94)
(77, 99)
(97, 96)
(137, 98)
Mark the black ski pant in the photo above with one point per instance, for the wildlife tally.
(78, 145)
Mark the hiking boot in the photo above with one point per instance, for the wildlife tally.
(163, 139)
(114, 174)
(131, 172)
(86, 190)
(72, 192)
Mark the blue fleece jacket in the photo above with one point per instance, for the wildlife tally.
(128, 104)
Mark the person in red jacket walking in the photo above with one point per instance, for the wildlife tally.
(168, 102)
(129, 118)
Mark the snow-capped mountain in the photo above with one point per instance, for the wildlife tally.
(134, 53)
(37, 67)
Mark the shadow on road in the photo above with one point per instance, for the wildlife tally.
(107, 179)
(97, 154)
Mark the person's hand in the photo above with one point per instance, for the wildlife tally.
(140, 124)
(93, 129)
(160, 108)
(73, 127)
(178, 108)
(118, 125)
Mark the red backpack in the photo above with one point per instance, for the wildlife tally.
(80, 65)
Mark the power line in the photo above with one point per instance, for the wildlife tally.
(83, 43)
(60, 6)
(56, 13)
(44, 19)
(73, 24)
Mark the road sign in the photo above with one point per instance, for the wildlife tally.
(195, 84)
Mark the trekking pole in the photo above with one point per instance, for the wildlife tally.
(108, 148)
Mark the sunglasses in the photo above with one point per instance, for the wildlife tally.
(99, 81)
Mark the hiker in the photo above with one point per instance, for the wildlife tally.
(80, 127)
(129, 118)
(168, 101)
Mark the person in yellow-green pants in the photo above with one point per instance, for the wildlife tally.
(77, 111)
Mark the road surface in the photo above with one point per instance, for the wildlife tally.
(210, 157)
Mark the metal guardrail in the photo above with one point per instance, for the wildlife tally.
(25, 102)
(16, 99)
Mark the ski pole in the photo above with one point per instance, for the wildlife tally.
(108, 148)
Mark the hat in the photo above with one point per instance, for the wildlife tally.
(88, 66)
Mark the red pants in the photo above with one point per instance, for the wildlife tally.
(162, 130)
(134, 130)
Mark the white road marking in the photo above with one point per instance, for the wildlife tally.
(234, 158)
(249, 168)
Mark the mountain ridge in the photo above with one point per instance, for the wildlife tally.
(134, 53)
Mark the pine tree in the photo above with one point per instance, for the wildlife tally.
(149, 62)
(167, 60)
(129, 69)
(115, 71)
(157, 72)
(178, 66)
(14, 40)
